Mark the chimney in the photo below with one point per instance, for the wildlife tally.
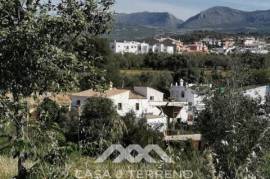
(181, 82)
(111, 85)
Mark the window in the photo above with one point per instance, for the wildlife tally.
(152, 98)
(119, 107)
(182, 94)
(78, 103)
(137, 106)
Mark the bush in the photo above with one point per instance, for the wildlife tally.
(100, 126)
(138, 132)
(48, 111)
(231, 125)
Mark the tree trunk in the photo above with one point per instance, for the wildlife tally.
(22, 172)
(19, 134)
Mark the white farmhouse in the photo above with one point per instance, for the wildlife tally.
(182, 93)
(141, 101)
(193, 98)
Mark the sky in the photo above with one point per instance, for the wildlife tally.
(184, 9)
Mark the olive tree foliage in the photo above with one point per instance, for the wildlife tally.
(100, 126)
(235, 127)
(38, 53)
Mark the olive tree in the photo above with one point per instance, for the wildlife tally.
(37, 53)
(234, 126)
(100, 126)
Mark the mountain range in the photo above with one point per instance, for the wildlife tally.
(149, 19)
(223, 19)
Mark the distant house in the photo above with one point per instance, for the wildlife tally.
(258, 93)
(250, 41)
(186, 93)
(139, 48)
(128, 47)
(197, 47)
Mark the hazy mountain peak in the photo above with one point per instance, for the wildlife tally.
(149, 19)
(219, 18)
(225, 18)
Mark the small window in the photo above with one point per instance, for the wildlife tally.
(78, 103)
(182, 94)
(119, 106)
(152, 98)
(137, 106)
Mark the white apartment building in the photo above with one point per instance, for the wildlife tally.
(139, 48)
(161, 48)
(125, 47)
(143, 48)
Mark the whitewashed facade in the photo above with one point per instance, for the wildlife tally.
(181, 93)
(125, 47)
(137, 100)
(139, 48)
(161, 48)
(184, 93)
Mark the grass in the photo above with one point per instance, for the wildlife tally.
(8, 167)
(85, 167)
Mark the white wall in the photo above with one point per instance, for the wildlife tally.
(176, 93)
(150, 93)
(170, 50)
(259, 92)
(125, 47)
(130, 104)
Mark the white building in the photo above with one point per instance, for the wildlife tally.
(138, 100)
(258, 93)
(161, 48)
(185, 93)
(139, 48)
(125, 47)
(170, 50)
(143, 48)
(250, 41)
(130, 47)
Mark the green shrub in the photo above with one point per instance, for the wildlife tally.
(100, 126)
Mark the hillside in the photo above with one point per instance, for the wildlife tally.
(143, 24)
(221, 19)
(229, 20)
(149, 19)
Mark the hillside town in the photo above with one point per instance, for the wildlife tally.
(206, 45)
